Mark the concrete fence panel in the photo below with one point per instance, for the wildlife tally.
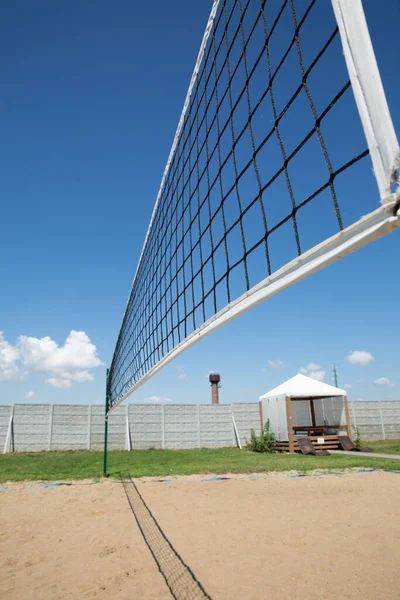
(69, 427)
(216, 426)
(146, 426)
(32, 427)
(181, 426)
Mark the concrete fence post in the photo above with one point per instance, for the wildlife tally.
(50, 425)
(382, 423)
(198, 427)
(89, 431)
(163, 426)
(128, 445)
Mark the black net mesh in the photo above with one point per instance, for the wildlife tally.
(259, 171)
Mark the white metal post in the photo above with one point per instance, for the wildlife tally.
(7, 443)
(235, 429)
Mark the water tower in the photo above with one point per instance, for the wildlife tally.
(214, 378)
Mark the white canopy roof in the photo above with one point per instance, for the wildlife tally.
(301, 386)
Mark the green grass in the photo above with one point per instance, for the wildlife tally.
(384, 446)
(51, 466)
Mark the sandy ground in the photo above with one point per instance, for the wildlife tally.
(312, 538)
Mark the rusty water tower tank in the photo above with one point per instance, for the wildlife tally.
(214, 378)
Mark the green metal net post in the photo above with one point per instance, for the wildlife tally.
(106, 427)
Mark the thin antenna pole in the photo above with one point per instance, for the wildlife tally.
(335, 375)
(106, 426)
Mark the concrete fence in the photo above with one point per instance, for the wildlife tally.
(34, 427)
(376, 420)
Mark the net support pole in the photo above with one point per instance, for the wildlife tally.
(106, 427)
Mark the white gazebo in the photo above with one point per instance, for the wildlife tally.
(302, 406)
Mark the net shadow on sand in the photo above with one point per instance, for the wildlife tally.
(178, 576)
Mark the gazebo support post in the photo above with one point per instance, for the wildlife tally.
(290, 423)
(346, 412)
(313, 422)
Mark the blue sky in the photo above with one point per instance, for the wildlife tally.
(90, 102)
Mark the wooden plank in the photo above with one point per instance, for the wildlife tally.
(309, 428)
(333, 445)
(346, 443)
(314, 440)
(326, 437)
(306, 446)
(289, 423)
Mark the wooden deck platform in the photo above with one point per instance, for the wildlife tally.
(331, 442)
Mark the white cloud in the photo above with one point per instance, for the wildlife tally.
(44, 355)
(181, 375)
(312, 367)
(384, 381)
(64, 379)
(57, 382)
(9, 356)
(63, 364)
(360, 357)
(276, 364)
(314, 371)
(347, 386)
(157, 400)
(30, 394)
(318, 375)
(263, 370)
